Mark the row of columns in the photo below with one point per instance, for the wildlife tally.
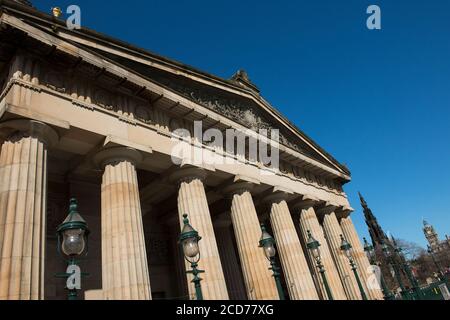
(192, 201)
(125, 275)
(309, 221)
(258, 279)
(300, 283)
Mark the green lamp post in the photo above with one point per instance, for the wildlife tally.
(267, 242)
(407, 268)
(388, 253)
(314, 247)
(438, 267)
(189, 239)
(346, 247)
(370, 252)
(72, 244)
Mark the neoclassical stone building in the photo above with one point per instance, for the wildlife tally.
(89, 117)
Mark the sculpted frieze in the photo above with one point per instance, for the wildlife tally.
(239, 109)
(86, 93)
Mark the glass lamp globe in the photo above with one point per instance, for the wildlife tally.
(73, 242)
(267, 242)
(313, 246)
(73, 232)
(189, 239)
(190, 247)
(370, 251)
(346, 247)
(270, 251)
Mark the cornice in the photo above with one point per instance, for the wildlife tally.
(159, 61)
(91, 57)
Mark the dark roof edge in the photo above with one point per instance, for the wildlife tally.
(34, 13)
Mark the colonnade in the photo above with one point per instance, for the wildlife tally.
(125, 274)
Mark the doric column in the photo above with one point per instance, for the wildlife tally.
(298, 276)
(333, 234)
(124, 260)
(193, 202)
(23, 199)
(309, 221)
(258, 278)
(365, 271)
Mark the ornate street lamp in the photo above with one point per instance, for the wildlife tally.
(431, 253)
(388, 253)
(370, 251)
(267, 242)
(72, 244)
(314, 247)
(189, 239)
(407, 268)
(346, 247)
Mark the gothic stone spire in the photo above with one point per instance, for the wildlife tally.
(376, 232)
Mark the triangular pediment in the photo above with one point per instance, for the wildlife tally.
(237, 99)
(246, 109)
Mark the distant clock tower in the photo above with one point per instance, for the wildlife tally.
(432, 236)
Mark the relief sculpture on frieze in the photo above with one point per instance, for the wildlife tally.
(240, 109)
(89, 94)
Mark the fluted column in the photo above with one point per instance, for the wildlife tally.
(333, 234)
(309, 221)
(296, 270)
(23, 199)
(365, 271)
(258, 278)
(193, 202)
(124, 260)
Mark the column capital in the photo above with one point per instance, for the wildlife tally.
(117, 154)
(276, 195)
(305, 202)
(343, 212)
(239, 185)
(188, 173)
(19, 128)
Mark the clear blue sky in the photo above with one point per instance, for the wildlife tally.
(379, 101)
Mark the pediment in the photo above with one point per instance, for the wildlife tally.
(243, 109)
(237, 99)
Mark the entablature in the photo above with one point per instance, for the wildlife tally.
(95, 83)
